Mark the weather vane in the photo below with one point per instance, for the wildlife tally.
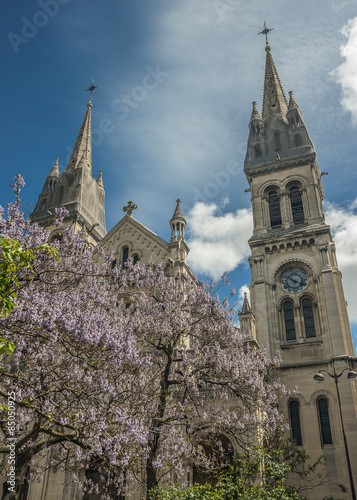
(91, 88)
(265, 32)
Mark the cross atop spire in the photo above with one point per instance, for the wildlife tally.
(265, 32)
(91, 88)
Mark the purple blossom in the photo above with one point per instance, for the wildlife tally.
(126, 389)
(19, 183)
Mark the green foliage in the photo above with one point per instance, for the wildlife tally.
(259, 474)
(195, 492)
(13, 260)
(227, 489)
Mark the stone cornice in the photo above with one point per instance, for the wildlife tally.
(271, 163)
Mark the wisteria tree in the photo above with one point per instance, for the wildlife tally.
(127, 373)
(75, 357)
(207, 380)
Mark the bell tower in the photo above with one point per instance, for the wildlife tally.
(296, 291)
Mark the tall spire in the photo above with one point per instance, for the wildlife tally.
(274, 100)
(76, 189)
(82, 151)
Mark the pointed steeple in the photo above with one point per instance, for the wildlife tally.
(100, 179)
(76, 189)
(52, 178)
(246, 318)
(82, 152)
(255, 113)
(274, 100)
(294, 114)
(178, 223)
(54, 170)
(281, 130)
(178, 247)
(256, 124)
(245, 307)
(292, 102)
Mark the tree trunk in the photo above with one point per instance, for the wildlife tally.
(22, 463)
(151, 481)
(151, 476)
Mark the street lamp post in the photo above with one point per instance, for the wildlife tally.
(351, 374)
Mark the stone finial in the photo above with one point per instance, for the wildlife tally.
(178, 223)
(255, 113)
(178, 211)
(54, 170)
(100, 179)
(292, 102)
(129, 208)
(246, 306)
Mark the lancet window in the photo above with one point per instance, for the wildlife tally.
(325, 427)
(297, 208)
(289, 320)
(274, 209)
(295, 425)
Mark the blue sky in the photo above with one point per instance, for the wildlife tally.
(170, 117)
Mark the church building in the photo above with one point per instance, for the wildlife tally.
(297, 304)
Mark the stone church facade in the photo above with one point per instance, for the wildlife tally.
(297, 305)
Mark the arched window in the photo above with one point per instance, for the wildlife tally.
(125, 256)
(298, 140)
(258, 151)
(289, 321)
(274, 209)
(324, 418)
(308, 318)
(296, 205)
(277, 141)
(135, 258)
(295, 422)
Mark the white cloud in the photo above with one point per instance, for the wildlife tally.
(244, 289)
(343, 224)
(218, 243)
(346, 73)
